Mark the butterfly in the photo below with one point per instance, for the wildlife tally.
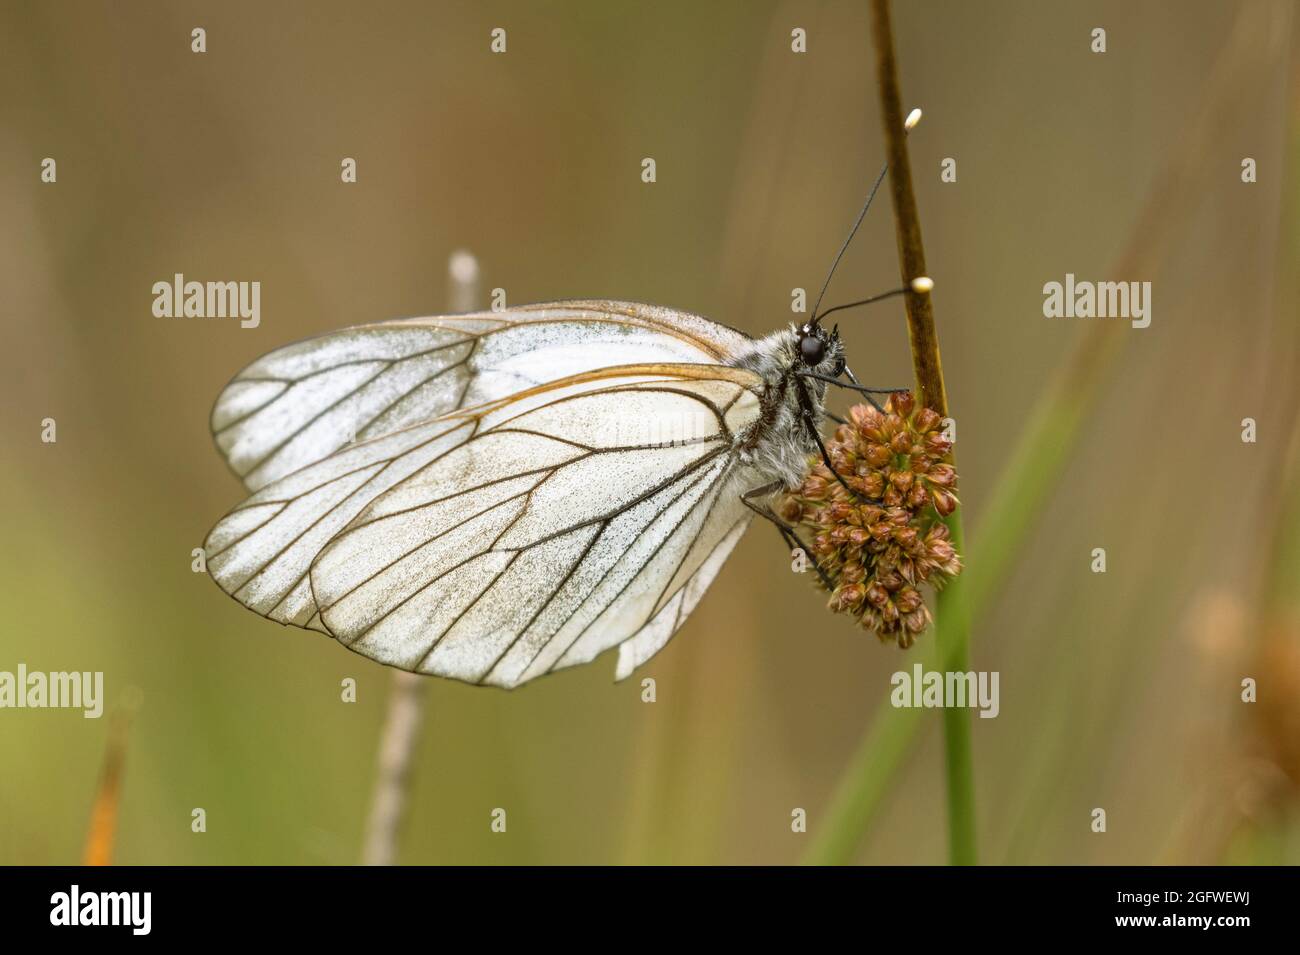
(498, 495)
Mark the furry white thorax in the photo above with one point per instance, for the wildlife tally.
(778, 446)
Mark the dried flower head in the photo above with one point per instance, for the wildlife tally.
(880, 543)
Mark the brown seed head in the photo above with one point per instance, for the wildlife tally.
(879, 546)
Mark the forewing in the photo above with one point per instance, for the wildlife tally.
(305, 401)
(577, 517)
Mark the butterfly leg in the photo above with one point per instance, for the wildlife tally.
(806, 415)
(826, 459)
(848, 372)
(788, 533)
(868, 392)
(853, 385)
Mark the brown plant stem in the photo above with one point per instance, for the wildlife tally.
(926, 364)
(952, 629)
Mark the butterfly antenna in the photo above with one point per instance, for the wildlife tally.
(921, 284)
(913, 118)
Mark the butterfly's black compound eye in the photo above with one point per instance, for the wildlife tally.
(811, 349)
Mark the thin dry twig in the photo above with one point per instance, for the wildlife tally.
(396, 747)
(401, 730)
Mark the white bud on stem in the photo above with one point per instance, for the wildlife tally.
(463, 267)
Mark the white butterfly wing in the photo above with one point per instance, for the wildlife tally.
(500, 543)
(260, 552)
(304, 401)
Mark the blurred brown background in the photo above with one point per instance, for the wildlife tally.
(1118, 690)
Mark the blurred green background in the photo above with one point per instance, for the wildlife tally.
(1119, 690)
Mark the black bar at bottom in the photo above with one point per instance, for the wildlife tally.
(334, 905)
